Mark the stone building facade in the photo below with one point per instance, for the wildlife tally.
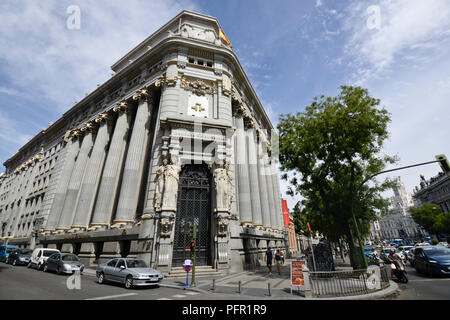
(398, 224)
(176, 138)
(435, 190)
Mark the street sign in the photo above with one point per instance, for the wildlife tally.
(187, 265)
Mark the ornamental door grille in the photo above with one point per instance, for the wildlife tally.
(194, 207)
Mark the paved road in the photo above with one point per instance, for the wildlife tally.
(423, 287)
(23, 283)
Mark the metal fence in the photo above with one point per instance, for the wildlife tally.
(347, 283)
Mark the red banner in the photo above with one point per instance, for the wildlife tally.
(285, 212)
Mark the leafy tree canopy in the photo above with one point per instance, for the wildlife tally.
(328, 151)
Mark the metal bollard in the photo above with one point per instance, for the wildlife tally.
(268, 288)
(214, 285)
(239, 287)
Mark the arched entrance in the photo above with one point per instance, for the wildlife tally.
(194, 207)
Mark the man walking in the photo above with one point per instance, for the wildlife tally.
(269, 258)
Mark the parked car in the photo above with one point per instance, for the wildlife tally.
(130, 272)
(444, 244)
(63, 263)
(40, 256)
(5, 250)
(20, 257)
(405, 250)
(432, 260)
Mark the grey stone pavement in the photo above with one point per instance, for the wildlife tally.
(255, 285)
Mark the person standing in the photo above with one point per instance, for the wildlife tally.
(269, 258)
(278, 261)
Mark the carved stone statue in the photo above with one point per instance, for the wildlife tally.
(160, 177)
(222, 227)
(224, 191)
(172, 175)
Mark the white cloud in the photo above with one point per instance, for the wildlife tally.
(40, 53)
(412, 29)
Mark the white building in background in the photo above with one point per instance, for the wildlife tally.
(398, 223)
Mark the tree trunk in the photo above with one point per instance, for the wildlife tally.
(351, 247)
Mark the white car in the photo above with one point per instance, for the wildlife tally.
(40, 256)
(444, 244)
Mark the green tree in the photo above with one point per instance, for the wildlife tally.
(431, 218)
(328, 151)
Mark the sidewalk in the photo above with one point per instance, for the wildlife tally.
(255, 284)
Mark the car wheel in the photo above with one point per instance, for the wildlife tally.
(29, 265)
(45, 268)
(39, 267)
(129, 282)
(58, 270)
(101, 278)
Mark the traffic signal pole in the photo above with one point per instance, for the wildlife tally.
(193, 256)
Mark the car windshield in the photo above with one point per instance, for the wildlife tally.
(27, 251)
(70, 257)
(48, 253)
(9, 250)
(136, 264)
(436, 251)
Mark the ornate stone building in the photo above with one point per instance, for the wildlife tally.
(176, 138)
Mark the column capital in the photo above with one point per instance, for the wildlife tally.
(89, 127)
(122, 106)
(142, 94)
(104, 117)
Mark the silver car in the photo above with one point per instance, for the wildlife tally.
(131, 272)
(63, 263)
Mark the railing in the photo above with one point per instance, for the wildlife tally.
(347, 283)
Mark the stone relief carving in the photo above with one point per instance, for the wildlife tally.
(166, 226)
(224, 190)
(222, 226)
(189, 31)
(197, 86)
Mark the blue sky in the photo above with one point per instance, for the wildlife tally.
(290, 50)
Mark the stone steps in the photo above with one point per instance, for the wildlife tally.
(199, 271)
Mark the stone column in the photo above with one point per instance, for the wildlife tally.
(253, 175)
(73, 188)
(134, 164)
(92, 176)
(73, 146)
(245, 207)
(276, 195)
(109, 184)
(270, 194)
(265, 207)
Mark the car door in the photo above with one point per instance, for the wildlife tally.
(120, 271)
(419, 260)
(56, 261)
(109, 269)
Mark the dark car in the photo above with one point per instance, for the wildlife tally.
(432, 260)
(63, 263)
(20, 257)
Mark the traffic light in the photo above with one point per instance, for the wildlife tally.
(192, 246)
(443, 162)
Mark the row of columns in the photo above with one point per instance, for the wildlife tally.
(103, 168)
(257, 180)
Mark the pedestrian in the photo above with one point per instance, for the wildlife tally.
(269, 258)
(282, 256)
(278, 261)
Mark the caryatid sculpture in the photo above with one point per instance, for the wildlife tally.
(166, 193)
(224, 190)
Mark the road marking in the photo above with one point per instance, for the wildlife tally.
(178, 296)
(163, 299)
(419, 280)
(192, 293)
(112, 297)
